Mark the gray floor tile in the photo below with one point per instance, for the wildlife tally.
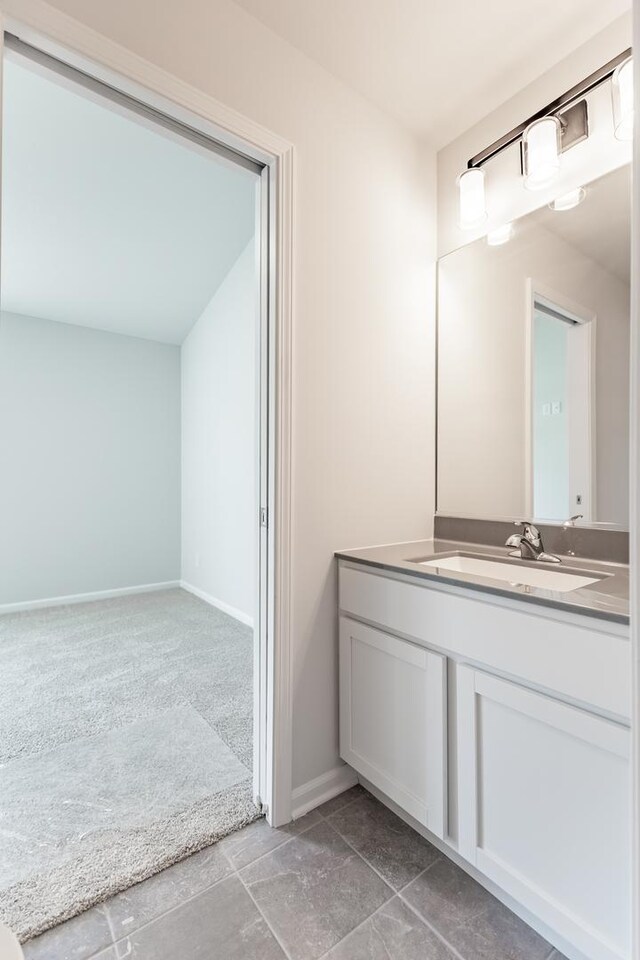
(147, 900)
(220, 924)
(76, 939)
(332, 806)
(393, 933)
(314, 891)
(384, 840)
(259, 838)
(477, 925)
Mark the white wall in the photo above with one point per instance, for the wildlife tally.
(482, 380)
(219, 443)
(363, 304)
(90, 460)
(506, 195)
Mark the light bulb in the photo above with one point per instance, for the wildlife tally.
(500, 235)
(569, 200)
(541, 141)
(622, 95)
(472, 209)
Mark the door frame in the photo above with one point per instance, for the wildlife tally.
(81, 48)
(634, 517)
(537, 292)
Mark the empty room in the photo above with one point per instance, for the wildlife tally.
(129, 426)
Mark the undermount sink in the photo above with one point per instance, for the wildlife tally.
(512, 571)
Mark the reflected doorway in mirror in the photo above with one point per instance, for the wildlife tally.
(559, 406)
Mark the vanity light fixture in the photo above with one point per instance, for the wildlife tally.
(473, 209)
(548, 134)
(622, 97)
(541, 152)
(569, 200)
(500, 235)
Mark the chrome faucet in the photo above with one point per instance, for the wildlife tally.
(529, 544)
(571, 522)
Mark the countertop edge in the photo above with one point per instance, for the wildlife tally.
(578, 609)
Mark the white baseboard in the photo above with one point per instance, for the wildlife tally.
(325, 787)
(220, 604)
(87, 597)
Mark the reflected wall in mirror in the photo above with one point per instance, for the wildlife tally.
(533, 366)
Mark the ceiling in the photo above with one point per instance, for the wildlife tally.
(107, 222)
(601, 226)
(438, 66)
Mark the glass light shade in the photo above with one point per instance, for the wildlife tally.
(541, 142)
(472, 210)
(569, 200)
(500, 235)
(622, 95)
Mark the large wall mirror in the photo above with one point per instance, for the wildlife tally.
(533, 366)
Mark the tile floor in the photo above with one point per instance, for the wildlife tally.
(350, 881)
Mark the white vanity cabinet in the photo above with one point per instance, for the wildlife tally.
(392, 718)
(503, 729)
(543, 806)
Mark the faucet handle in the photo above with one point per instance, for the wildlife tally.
(530, 531)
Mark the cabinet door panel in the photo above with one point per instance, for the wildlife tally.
(392, 718)
(544, 808)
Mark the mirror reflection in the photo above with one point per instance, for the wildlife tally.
(533, 358)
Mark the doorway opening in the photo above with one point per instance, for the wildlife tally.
(134, 423)
(561, 404)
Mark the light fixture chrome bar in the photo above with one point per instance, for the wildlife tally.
(129, 103)
(581, 89)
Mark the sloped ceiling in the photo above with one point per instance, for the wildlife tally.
(438, 66)
(109, 223)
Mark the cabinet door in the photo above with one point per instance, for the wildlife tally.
(544, 808)
(392, 718)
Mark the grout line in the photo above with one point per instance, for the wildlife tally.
(165, 913)
(441, 856)
(468, 921)
(370, 865)
(293, 836)
(361, 924)
(107, 914)
(116, 946)
(399, 892)
(375, 869)
(368, 917)
(340, 809)
(431, 927)
(257, 906)
(234, 871)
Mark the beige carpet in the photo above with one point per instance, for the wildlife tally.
(125, 745)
